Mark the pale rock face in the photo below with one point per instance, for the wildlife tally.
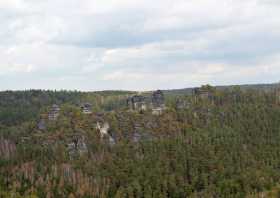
(103, 129)
(144, 107)
(157, 111)
(54, 112)
(42, 125)
(7, 148)
(77, 146)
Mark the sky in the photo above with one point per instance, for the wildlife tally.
(137, 45)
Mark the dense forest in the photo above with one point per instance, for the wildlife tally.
(208, 142)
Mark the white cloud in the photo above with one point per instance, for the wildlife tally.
(16, 68)
(115, 44)
(120, 75)
(11, 4)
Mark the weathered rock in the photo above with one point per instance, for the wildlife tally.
(7, 148)
(77, 146)
(204, 92)
(277, 96)
(54, 112)
(158, 99)
(86, 108)
(42, 125)
(103, 128)
(158, 103)
(141, 103)
(138, 137)
(182, 104)
(104, 132)
(137, 102)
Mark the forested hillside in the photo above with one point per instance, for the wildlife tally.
(207, 142)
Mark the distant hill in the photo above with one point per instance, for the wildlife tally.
(261, 87)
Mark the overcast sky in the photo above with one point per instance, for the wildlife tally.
(137, 45)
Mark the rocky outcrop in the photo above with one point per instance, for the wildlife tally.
(54, 112)
(104, 132)
(138, 137)
(86, 108)
(277, 96)
(77, 146)
(141, 103)
(158, 103)
(158, 99)
(103, 128)
(137, 103)
(42, 125)
(182, 104)
(7, 148)
(204, 92)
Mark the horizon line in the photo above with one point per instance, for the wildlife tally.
(123, 90)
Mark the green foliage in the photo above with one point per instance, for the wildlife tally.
(226, 145)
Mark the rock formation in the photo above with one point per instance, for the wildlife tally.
(158, 102)
(137, 102)
(158, 99)
(41, 125)
(77, 146)
(104, 132)
(7, 148)
(86, 108)
(141, 103)
(54, 112)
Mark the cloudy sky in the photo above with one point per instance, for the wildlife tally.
(137, 44)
